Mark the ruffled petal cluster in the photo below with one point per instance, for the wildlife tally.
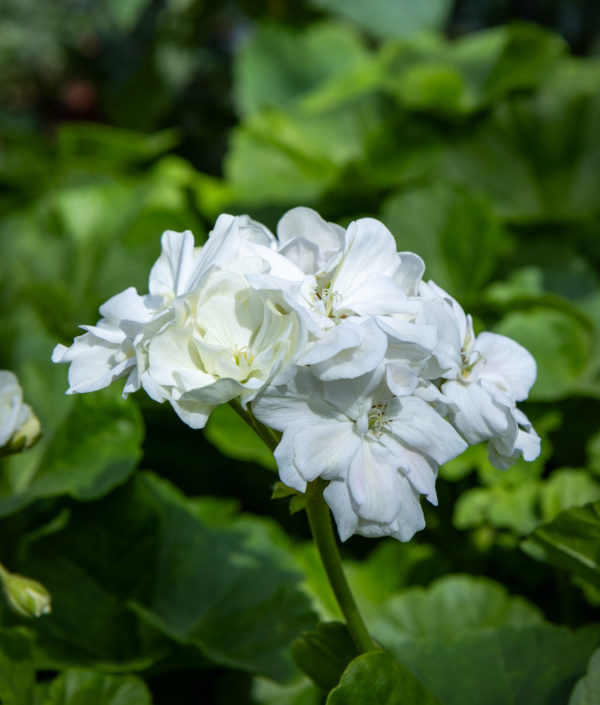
(329, 335)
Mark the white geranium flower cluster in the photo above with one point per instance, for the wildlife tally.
(329, 335)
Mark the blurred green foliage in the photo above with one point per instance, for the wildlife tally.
(480, 151)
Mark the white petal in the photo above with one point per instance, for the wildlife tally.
(377, 295)
(301, 399)
(401, 378)
(474, 413)
(374, 484)
(420, 470)
(193, 413)
(337, 496)
(170, 361)
(95, 362)
(449, 341)
(254, 232)
(11, 403)
(505, 358)
(410, 273)
(524, 442)
(172, 271)
(370, 247)
(417, 424)
(307, 224)
(284, 457)
(408, 340)
(410, 518)
(353, 396)
(404, 525)
(325, 449)
(130, 306)
(341, 337)
(354, 362)
(218, 392)
(303, 254)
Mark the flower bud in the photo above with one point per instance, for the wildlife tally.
(26, 436)
(25, 596)
(19, 426)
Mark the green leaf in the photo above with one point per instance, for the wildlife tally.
(93, 448)
(451, 607)
(587, 690)
(521, 503)
(158, 567)
(287, 158)
(89, 444)
(495, 61)
(377, 678)
(469, 642)
(455, 232)
(300, 692)
(390, 566)
(565, 489)
(571, 541)
(17, 675)
(235, 439)
(280, 66)
(92, 143)
(385, 19)
(561, 346)
(83, 687)
(499, 506)
(534, 156)
(462, 76)
(323, 654)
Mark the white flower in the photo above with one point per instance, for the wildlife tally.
(117, 346)
(228, 340)
(483, 379)
(19, 426)
(378, 451)
(341, 283)
(309, 241)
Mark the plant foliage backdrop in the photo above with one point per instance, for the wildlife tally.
(174, 577)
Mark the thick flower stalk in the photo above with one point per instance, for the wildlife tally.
(372, 376)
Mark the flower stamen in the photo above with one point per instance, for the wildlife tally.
(377, 419)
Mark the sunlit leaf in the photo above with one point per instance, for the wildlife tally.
(456, 233)
(83, 687)
(279, 66)
(384, 19)
(571, 541)
(587, 690)
(377, 677)
(470, 642)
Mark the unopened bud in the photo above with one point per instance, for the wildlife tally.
(26, 436)
(19, 426)
(25, 596)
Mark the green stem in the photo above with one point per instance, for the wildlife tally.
(319, 519)
(269, 437)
